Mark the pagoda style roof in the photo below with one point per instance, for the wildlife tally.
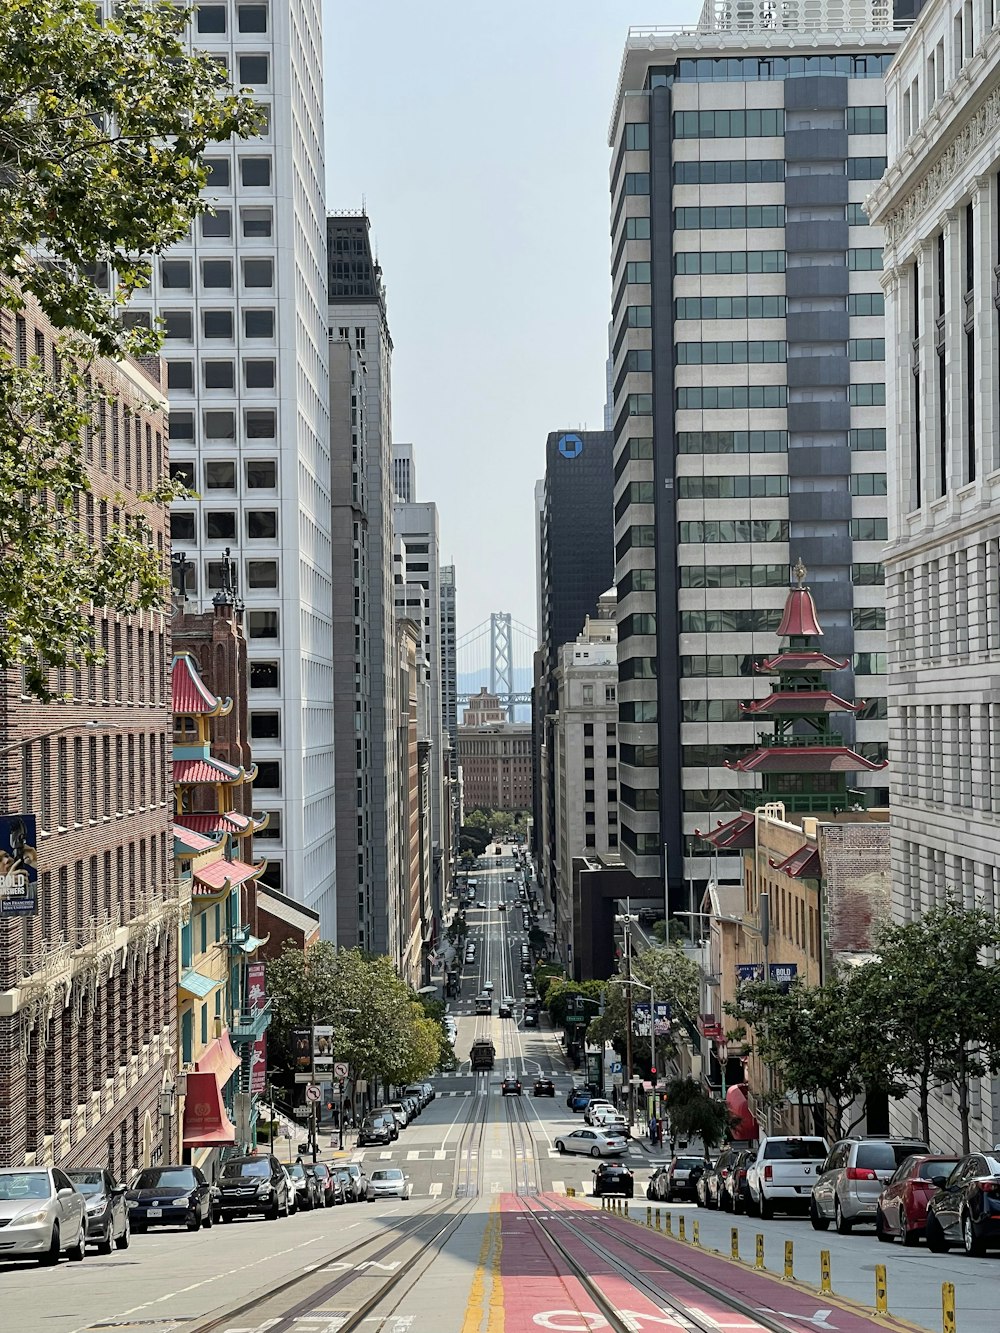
(222, 874)
(801, 660)
(805, 759)
(801, 864)
(207, 769)
(799, 619)
(734, 835)
(802, 701)
(189, 695)
(186, 841)
(232, 822)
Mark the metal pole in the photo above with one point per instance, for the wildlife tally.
(628, 1021)
(341, 1117)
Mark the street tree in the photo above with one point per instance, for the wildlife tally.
(693, 1114)
(937, 988)
(561, 997)
(674, 978)
(102, 126)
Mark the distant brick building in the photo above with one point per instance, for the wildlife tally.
(496, 765)
(88, 978)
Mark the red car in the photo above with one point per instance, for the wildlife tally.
(902, 1205)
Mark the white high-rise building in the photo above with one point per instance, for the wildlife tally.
(243, 301)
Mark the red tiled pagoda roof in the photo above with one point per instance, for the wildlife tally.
(806, 759)
(799, 618)
(804, 661)
(191, 841)
(734, 835)
(206, 770)
(231, 822)
(189, 695)
(801, 864)
(213, 877)
(802, 701)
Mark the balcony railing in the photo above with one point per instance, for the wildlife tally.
(249, 1024)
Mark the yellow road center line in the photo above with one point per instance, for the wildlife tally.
(474, 1309)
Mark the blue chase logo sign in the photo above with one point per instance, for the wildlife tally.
(570, 446)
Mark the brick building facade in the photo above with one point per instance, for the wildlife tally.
(88, 982)
(496, 766)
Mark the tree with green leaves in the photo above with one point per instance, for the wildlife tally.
(693, 1114)
(103, 122)
(561, 997)
(674, 978)
(936, 987)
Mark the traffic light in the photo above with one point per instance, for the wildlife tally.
(652, 1077)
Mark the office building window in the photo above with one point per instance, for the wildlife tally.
(220, 425)
(259, 374)
(866, 120)
(751, 172)
(732, 441)
(181, 426)
(258, 323)
(219, 374)
(253, 70)
(866, 303)
(867, 574)
(864, 260)
(220, 525)
(729, 261)
(220, 475)
(637, 229)
(219, 171)
(182, 471)
(258, 273)
(211, 18)
(256, 222)
(264, 675)
(734, 576)
(866, 349)
(261, 423)
(870, 529)
(709, 397)
(730, 353)
(180, 375)
(255, 171)
(262, 474)
(217, 224)
(268, 773)
(251, 18)
(265, 726)
(262, 573)
(866, 395)
(637, 182)
(262, 624)
(740, 487)
(262, 524)
(712, 530)
(175, 274)
(729, 216)
(217, 274)
(866, 168)
(217, 324)
(637, 136)
(869, 483)
(181, 526)
(749, 123)
(730, 307)
(178, 325)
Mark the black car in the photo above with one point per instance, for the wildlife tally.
(107, 1209)
(377, 1129)
(544, 1087)
(253, 1185)
(709, 1187)
(613, 1178)
(333, 1190)
(349, 1185)
(512, 1086)
(733, 1190)
(681, 1177)
(966, 1209)
(307, 1191)
(169, 1196)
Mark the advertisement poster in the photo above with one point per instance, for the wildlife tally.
(256, 990)
(781, 974)
(18, 866)
(323, 1051)
(640, 1016)
(302, 1054)
(258, 1065)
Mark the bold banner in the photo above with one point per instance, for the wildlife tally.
(18, 866)
(302, 1051)
(781, 974)
(640, 1016)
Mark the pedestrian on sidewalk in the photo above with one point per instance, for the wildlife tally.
(654, 1126)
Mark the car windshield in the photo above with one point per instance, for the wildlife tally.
(321, 1169)
(258, 1168)
(88, 1182)
(883, 1156)
(167, 1177)
(297, 1171)
(794, 1150)
(942, 1167)
(688, 1163)
(25, 1185)
(390, 1174)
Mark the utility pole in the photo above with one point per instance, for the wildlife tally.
(628, 1021)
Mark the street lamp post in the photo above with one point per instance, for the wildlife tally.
(626, 920)
(620, 981)
(92, 724)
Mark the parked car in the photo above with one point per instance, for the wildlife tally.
(411, 1105)
(853, 1176)
(607, 1117)
(578, 1099)
(544, 1087)
(329, 1187)
(501, 906)
(251, 1185)
(733, 1193)
(782, 1173)
(506, 1009)
(708, 1189)
(360, 1180)
(42, 1215)
(678, 1182)
(378, 1128)
(431, 1094)
(966, 1209)
(107, 1211)
(595, 1105)
(613, 1178)
(388, 1182)
(399, 1111)
(592, 1143)
(420, 1092)
(347, 1183)
(306, 1186)
(169, 1196)
(902, 1205)
(511, 1087)
(657, 1183)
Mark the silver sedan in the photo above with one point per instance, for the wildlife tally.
(42, 1215)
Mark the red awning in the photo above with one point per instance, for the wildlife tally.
(745, 1128)
(206, 1120)
(219, 1059)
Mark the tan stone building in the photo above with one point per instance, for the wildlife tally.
(495, 759)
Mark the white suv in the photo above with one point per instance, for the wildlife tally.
(597, 1105)
(783, 1173)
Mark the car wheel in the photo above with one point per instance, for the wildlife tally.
(885, 1236)
(51, 1255)
(209, 1219)
(649, 1192)
(195, 1223)
(104, 1245)
(274, 1212)
(908, 1237)
(77, 1251)
(936, 1241)
(973, 1245)
(595, 1152)
(560, 1146)
(843, 1224)
(724, 1202)
(753, 1207)
(122, 1241)
(766, 1209)
(819, 1222)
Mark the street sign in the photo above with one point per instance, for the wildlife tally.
(313, 1092)
(341, 1069)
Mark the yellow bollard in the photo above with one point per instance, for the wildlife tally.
(789, 1261)
(570, 1192)
(824, 1272)
(680, 1228)
(696, 1232)
(626, 1207)
(734, 1243)
(668, 1225)
(881, 1294)
(948, 1307)
(658, 1220)
(649, 1216)
(758, 1262)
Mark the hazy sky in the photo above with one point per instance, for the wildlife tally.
(476, 135)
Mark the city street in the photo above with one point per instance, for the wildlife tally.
(488, 1239)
